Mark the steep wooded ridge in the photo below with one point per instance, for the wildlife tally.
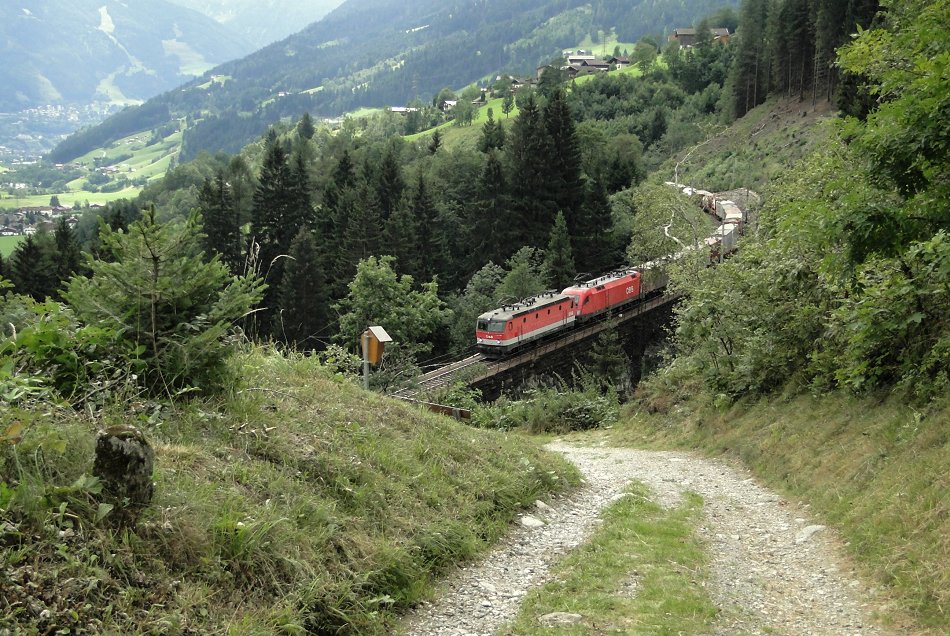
(262, 22)
(381, 53)
(80, 51)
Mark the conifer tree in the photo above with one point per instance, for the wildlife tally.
(428, 246)
(161, 297)
(532, 203)
(493, 134)
(221, 225)
(608, 361)
(750, 69)
(68, 255)
(558, 258)
(33, 267)
(361, 234)
(275, 221)
(595, 248)
(401, 239)
(564, 165)
(305, 128)
(491, 235)
(435, 142)
(303, 296)
(389, 183)
(344, 174)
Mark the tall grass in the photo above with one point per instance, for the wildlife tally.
(298, 504)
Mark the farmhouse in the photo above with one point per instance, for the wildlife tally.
(598, 65)
(580, 59)
(687, 37)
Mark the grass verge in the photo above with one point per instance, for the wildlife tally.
(877, 470)
(299, 504)
(641, 573)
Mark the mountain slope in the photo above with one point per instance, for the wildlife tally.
(383, 52)
(262, 22)
(81, 51)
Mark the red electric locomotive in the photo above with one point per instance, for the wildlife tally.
(510, 327)
(598, 295)
(506, 329)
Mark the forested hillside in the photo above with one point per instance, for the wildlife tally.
(80, 51)
(384, 53)
(845, 283)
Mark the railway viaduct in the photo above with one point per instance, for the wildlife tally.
(638, 325)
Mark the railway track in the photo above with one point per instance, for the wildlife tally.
(442, 376)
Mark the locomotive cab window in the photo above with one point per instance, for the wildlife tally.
(491, 326)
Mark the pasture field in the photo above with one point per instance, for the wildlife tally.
(453, 135)
(149, 160)
(8, 244)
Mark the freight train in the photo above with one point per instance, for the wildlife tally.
(512, 327)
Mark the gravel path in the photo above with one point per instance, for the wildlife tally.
(773, 571)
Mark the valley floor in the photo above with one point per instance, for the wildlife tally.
(770, 568)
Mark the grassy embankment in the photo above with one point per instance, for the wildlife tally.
(755, 149)
(298, 504)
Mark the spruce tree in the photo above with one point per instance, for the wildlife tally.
(68, 255)
(595, 247)
(389, 183)
(271, 228)
(435, 142)
(532, 206)
(221, 225)
(493, 134)
(303, 296)
(361, 234)
(166, 302)
(344, 174)
(428, 246)
(558, 258)
(305, 128)
(564, 165)
(33, 267)
(491, 230)
(750, 69)
(401, 240)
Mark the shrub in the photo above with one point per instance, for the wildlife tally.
(550, 411)
(168, 304)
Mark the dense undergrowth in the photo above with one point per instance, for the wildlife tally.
(876, 469)
(295, 504)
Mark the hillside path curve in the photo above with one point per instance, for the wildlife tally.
(773, 570)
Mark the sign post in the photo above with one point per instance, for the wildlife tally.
(373, 341)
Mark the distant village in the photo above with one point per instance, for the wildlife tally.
(27, 221)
